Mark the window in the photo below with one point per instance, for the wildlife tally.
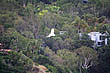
(101, 43)
(102, 37)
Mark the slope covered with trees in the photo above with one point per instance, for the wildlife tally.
(24, 25)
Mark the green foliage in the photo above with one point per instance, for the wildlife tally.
(70, 58)
(88, 58)
(51, 68)
(52, 8)
(15, 62)
(24, 42)
(24, 25)
(104, 28)
(101, 19)
(43, 60)
(104, 59)
(86, 52)
(8, 11)
(6, 41)
(41, 13)
(80, 24)
(83, 40)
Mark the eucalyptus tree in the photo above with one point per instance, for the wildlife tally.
(88, 58)
(70, 59)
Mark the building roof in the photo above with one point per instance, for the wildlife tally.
(94, 33)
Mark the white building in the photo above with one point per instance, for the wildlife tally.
(62, 32)
(98, 38)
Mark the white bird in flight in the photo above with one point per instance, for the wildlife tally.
(51, 33)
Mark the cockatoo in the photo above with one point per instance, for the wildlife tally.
(51, 33)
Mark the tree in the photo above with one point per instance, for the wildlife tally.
(57, 60)
(103, 60)
(80, 24)
(104, 28)
(69, 44)
(8, 11)
(88, 57)
(15, 63)
(70, 59)
(29, 21)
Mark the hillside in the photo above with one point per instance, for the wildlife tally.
(54, 36)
